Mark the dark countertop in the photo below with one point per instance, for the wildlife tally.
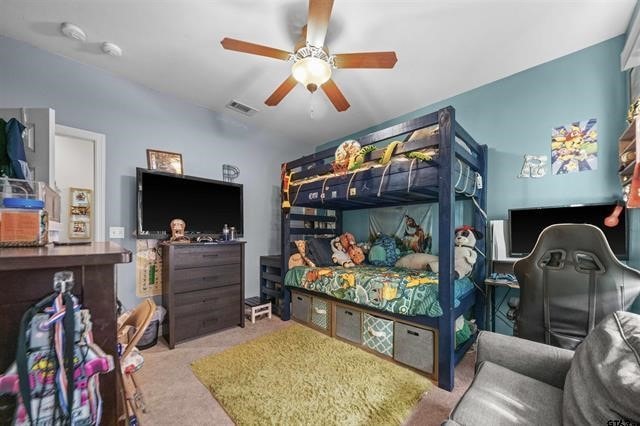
(57, 256)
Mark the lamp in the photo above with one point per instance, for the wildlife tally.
(311, 72)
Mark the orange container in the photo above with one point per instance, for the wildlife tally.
(23, 228)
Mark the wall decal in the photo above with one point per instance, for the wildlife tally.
(574, 148)
(534, 166)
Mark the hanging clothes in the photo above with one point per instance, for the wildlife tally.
(15, 149)
(5, 162)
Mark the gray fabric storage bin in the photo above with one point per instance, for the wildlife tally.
(348, 324)
(414, 347)
(301, 307)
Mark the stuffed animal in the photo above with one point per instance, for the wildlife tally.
(340, 256)
(384, 251)
(464, 251)
(348, 242)
(300, 258)
(344, 153)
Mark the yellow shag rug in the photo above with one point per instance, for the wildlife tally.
(297, 376)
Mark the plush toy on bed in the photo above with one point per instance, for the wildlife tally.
(384, 251)
(464, 251)
(340, 256)
(348, 242)
(300, 258)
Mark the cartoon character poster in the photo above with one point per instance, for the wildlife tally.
(574, 148)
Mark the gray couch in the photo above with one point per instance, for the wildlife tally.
(519, 382)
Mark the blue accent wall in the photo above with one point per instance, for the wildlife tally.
(514, 116)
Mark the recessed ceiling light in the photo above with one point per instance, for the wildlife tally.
(73, 31)
(111, 49)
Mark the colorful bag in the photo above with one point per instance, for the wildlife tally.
(55, 374)
(383, 251)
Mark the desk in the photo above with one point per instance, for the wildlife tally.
(490, 289)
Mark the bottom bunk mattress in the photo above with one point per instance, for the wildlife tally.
(398, 290)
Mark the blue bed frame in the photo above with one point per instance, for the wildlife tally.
(433, 181)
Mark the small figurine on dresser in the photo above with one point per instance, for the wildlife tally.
(177, 231)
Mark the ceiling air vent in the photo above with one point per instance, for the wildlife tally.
(241, 108)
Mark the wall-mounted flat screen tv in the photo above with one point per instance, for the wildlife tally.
(205, 205)
(525, 225)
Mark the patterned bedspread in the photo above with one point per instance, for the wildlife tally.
(398, 290)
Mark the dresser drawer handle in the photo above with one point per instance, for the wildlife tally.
(210, 277)
(413, 333)
(210, 255)
(348, 313)
(320, 311)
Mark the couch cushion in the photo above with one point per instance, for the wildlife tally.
(603, 383)
(499, 396)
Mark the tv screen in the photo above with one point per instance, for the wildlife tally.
(205, 205)
(527, 224)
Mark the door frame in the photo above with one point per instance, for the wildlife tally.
(99, 177)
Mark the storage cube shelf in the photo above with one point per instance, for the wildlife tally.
(410, 345)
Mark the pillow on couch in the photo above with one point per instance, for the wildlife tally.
(417, 261)
(603, 382)
(319, 251)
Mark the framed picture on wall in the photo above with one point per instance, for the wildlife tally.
(80, 200)
(164, 161)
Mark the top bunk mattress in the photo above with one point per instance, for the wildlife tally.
(397, 290)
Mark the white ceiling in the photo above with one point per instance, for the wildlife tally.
(444, 47)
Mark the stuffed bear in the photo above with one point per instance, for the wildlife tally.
(464, 250)
(348, 242)
(340, 256)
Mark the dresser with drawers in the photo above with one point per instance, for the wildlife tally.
(203, 289)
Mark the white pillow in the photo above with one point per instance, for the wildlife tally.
(417, 261)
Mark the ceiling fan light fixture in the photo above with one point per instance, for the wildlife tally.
(311, 72)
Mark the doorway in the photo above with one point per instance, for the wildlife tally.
(79, 175)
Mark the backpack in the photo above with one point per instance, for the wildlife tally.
(55, 374)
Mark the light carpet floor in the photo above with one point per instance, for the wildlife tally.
(175, 396)
(296, 374)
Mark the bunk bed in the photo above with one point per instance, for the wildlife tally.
(450, 166)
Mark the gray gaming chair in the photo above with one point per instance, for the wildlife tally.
(569, 283)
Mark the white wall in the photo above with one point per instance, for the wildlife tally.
(134, 118)
(74, 169)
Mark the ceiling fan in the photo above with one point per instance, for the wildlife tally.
(312, 62)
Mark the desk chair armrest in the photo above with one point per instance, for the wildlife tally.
(542, 362)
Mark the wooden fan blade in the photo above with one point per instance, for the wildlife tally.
(366, 60)
(254, 49)
(282, 91)
(335, 96)
(318, 21)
